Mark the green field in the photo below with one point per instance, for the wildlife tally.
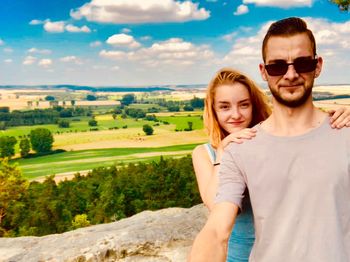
(79, 133)
(88, 159)
(181, 122)
(106, 122)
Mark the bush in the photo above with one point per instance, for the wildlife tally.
(147, 129)
(91, 98)
(49, 98)
(63, 123)
(92, 122)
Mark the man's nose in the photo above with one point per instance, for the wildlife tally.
(291, 73)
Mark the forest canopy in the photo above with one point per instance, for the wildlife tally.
(106, 194)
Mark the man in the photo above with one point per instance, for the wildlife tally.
(297, 168)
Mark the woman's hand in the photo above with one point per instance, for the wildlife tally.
(340, 117)
(238, 137)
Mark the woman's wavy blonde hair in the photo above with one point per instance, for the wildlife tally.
(261, 109)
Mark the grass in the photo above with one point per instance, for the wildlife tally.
(88, 159)
(80, 124)
(181, 121)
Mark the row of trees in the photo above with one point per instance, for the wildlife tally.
(172, 106)
(40, 140)
(39, 116)
(106, 194)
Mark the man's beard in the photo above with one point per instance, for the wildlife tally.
(292, 103)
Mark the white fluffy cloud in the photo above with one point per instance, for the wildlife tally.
(36, 22)
(173, 52)
(280, 3)
(126, 30)
(71, 59)
(34, 50)
(54, 27)
(60, 27)
(140, 11)
(76, 29)
(8, 61)
(45, 63)
(29, 60)
(241, 9)
(123, 40)
(2, 42)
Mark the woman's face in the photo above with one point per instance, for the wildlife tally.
(233, 107)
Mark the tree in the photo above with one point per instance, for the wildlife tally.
(12, 187)
(63, 123)
(197, 102)
(72, 102)
(7, 146)
(173, 108)
(50, 98)
(342, 4)
(24, 146)
(188, 108)
(190, 126)
(4, 109)
(92, 122)
(128, 99)
(91, 98)
(147, 129)
(41, 140)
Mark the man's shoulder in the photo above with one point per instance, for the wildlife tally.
(248, 144)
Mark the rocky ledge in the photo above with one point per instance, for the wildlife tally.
(158, 236)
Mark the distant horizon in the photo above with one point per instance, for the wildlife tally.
(262, 85)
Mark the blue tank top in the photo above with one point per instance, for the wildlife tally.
(243, 234)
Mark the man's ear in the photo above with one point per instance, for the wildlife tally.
(262, 71)
(318, 67)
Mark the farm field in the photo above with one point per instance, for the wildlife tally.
(90, 149)
(83, 160)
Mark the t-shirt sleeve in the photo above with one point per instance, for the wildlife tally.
(231, 180)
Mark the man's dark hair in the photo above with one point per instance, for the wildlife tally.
(288, 27)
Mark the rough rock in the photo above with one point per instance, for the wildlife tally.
(158, 236)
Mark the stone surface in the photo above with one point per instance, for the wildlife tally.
(158, 236)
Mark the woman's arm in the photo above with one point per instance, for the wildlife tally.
(340, 117)
(206, 172)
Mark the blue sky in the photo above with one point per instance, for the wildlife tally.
(155, 42)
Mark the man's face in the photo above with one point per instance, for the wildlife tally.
(291, 89)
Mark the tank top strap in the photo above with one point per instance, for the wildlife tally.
(211, 152)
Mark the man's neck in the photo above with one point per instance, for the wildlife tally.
(286, 121)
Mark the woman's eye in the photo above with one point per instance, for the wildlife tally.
(245, 105)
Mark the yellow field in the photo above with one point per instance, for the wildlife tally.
(130, 137)
(21, 99)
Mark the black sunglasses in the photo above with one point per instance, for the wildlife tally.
(301, 65)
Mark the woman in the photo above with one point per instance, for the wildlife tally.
(233, 105)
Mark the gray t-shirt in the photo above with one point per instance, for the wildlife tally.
(300, 193)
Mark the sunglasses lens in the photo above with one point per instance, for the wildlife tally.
(305, 65)
(277, 69)
(301, 65)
